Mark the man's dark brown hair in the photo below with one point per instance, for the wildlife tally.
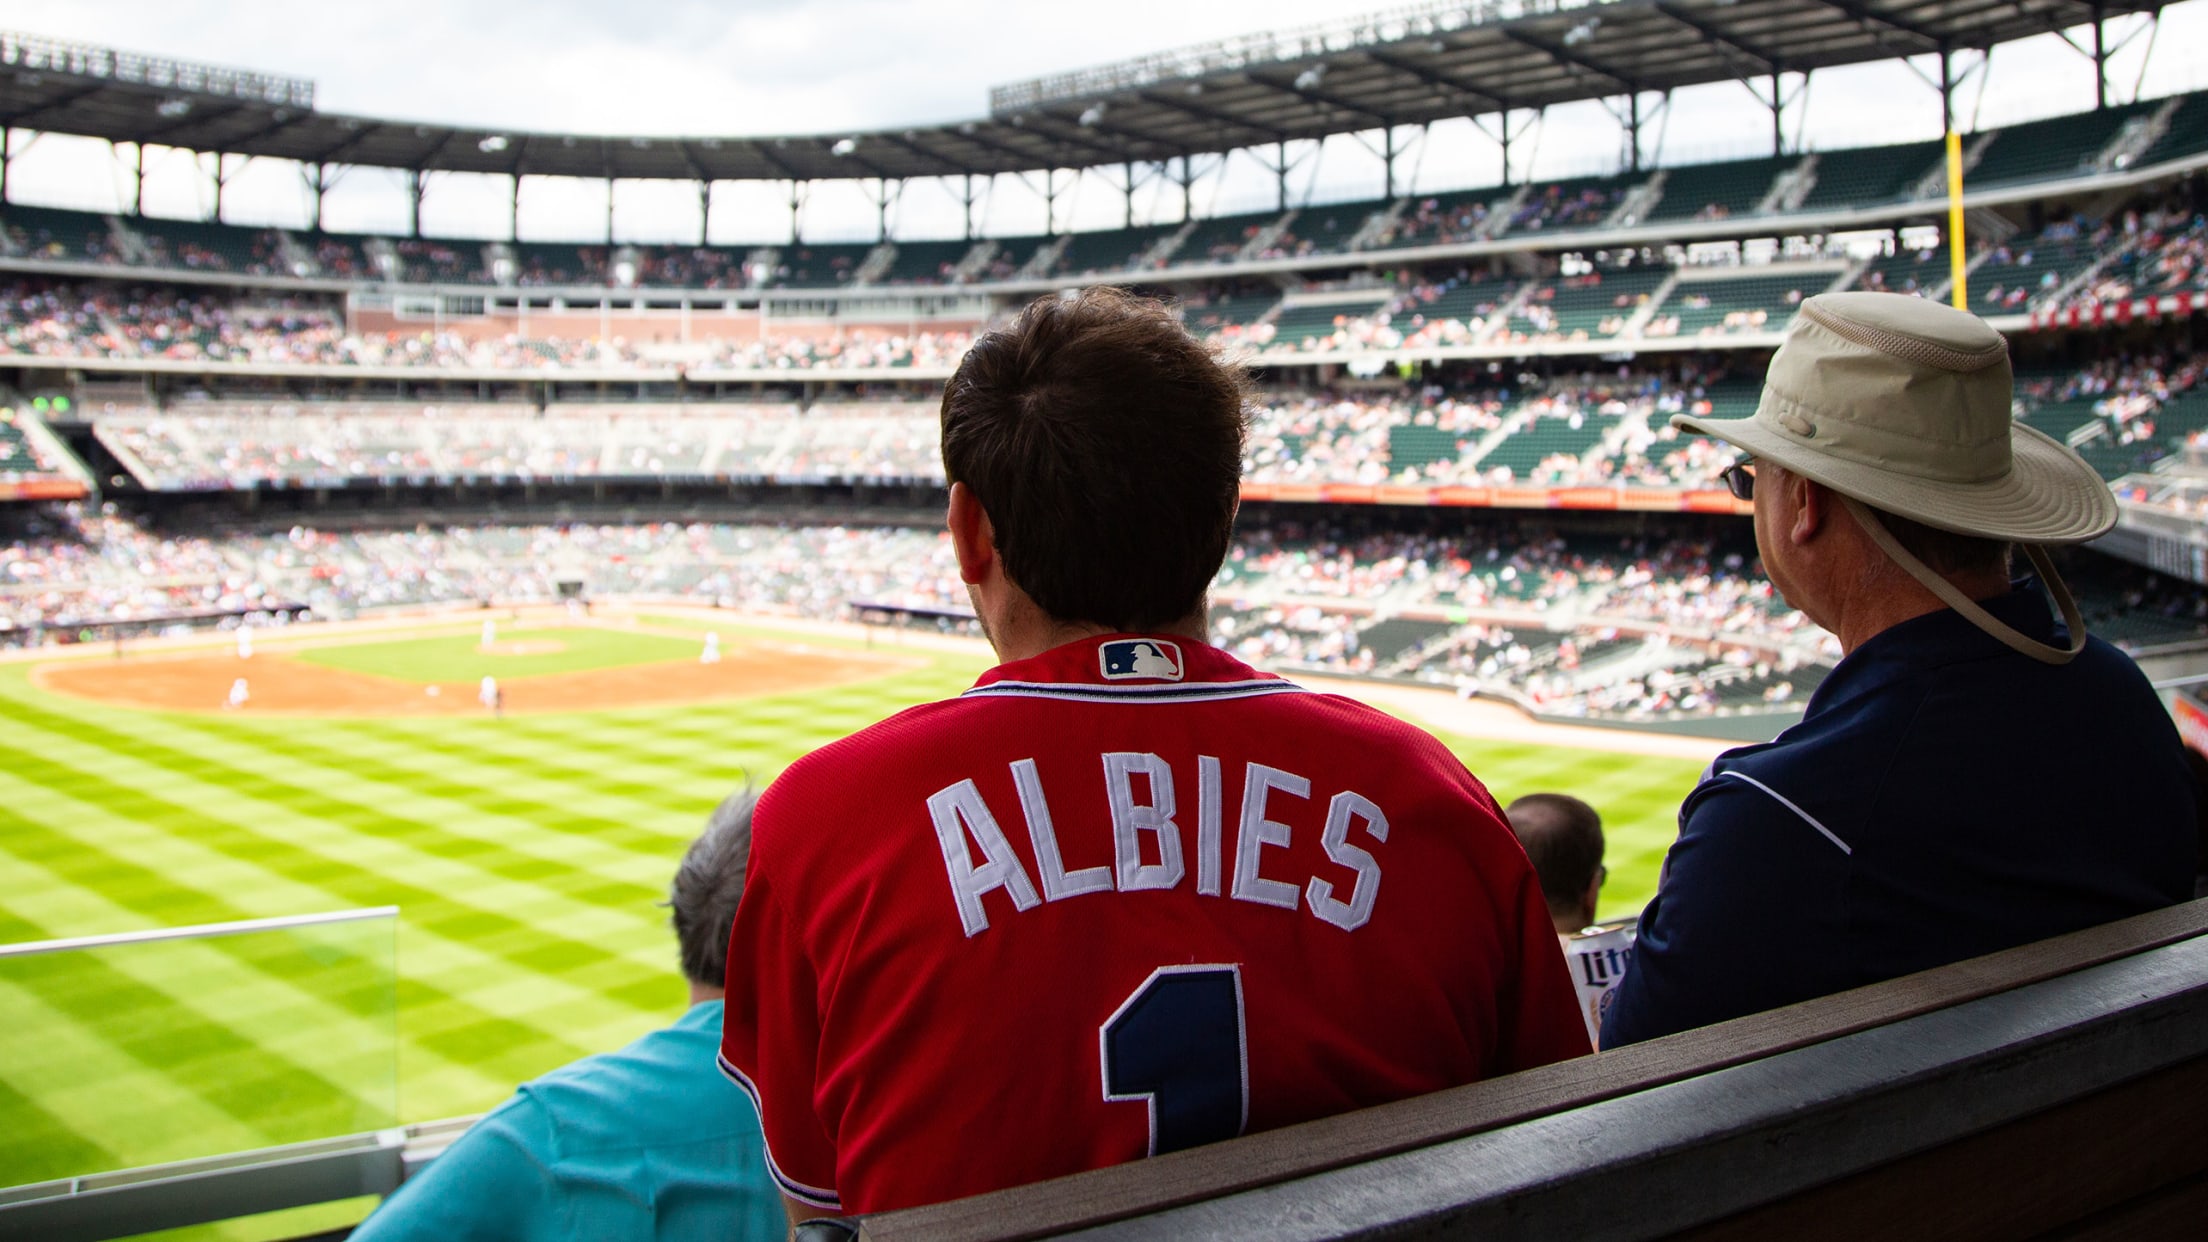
(1563, 840)
(1105, 444)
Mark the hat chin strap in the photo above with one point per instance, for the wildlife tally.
(2045, 653)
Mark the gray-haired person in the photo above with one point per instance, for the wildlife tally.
(647, 1142)
(1973, 775)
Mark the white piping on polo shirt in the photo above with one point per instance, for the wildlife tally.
(1788, 803)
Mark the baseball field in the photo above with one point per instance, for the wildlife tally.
(525, 850)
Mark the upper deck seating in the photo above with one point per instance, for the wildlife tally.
(1438, 219)
(2059, 147)
(1110, 250)
(2187, 134)
(1868, 176)
(200, 245)
(811, 265)
(1579, 204)
(1220, 238)
(1716, 191)
(925, 262)
(1012, 254)
(1326, 229)
(48, 233)
(551, 263)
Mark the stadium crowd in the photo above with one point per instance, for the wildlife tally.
(1568, 429)
(50, 320)
(1292, 596)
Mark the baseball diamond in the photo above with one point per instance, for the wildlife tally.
(526, 854)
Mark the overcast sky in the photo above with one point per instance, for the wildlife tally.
(793, 66)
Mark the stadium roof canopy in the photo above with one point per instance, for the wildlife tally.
(1407, 66)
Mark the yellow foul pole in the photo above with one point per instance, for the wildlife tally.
(1958, 256)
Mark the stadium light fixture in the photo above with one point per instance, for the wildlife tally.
(492, 145)
(1582, 32)
(173, 108)
(1310, 78)
(843, 147)
(1092, 114)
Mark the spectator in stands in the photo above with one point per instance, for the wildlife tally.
(1563, 840)
(647, 1143)
(1949, 791)
(1006, 937)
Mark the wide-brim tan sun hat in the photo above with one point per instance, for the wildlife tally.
(1904, 404)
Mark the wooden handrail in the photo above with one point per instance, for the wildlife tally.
(1141, 1187)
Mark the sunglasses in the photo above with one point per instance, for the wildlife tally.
(1739, 479)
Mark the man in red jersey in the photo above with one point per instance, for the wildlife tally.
(1127, 894)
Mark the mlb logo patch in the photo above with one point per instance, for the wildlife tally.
(1140, 659)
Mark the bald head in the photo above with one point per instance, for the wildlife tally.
(1563, 837)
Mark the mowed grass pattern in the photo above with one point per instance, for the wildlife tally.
(518, 651)
(527, 856)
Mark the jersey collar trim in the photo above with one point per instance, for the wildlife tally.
(1132, 694)
(1098, 669)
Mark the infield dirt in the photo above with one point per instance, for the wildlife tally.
(281, 685)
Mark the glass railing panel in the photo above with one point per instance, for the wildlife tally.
(147, 1047)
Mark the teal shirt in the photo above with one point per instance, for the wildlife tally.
(647, 1142)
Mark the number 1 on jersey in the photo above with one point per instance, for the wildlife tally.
(1179, 1044)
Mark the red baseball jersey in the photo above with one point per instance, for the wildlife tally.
(1125, 897)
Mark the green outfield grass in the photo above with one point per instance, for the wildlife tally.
(460, 657)
(527, 856)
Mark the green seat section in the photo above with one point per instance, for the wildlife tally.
(1111, 250)
(198, 245)
(808, 265)
(1220, 238)
(50, 233)
(1717, 191)
(1868, 176)
(1570, 432)
(1908, 271)
(925, 262)
(1741, 304)
(1578, 204)
(1301, 324)
(1228, 312)
(1590, 304)
(2031, 266)
(2048, 150)
(1437, 219)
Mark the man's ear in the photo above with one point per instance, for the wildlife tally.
(1813, 504)
(972, 537)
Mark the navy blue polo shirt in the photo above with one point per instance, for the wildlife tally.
(1942, 798)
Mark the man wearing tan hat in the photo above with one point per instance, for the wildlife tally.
(1972, 775)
